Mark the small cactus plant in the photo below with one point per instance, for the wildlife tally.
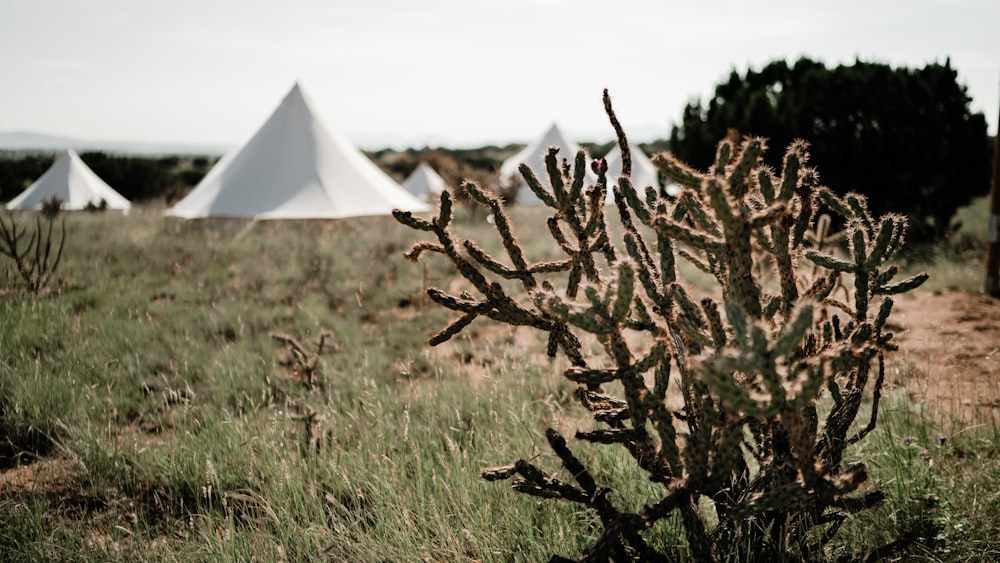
(31, 251)
(752, 362)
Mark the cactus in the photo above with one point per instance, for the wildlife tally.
(753, 360)
(31, 251)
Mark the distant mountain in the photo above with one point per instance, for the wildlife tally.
(29, 141)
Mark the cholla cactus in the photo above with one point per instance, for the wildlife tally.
(752, 361)
(31, 251)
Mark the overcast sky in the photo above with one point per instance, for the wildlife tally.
(452, 72)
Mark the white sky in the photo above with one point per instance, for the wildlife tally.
(451, 72)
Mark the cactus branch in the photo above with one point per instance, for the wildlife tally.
(744, 395)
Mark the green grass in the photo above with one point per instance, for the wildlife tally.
(161, 420)
(959, 263)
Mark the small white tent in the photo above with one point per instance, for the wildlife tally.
(294, 168)
(534, 156)
(644, 172)
(72, 181)
(424, 182)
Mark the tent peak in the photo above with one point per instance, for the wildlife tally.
(72, 181)
(294, 168)
(296, 91)
(534, 156)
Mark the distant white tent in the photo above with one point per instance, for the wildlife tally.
(644, 172)
(424, 182)
(72, 181)
(294, 168)
(534, 156)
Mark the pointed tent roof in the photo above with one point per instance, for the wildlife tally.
(424, 182)
(644, 172)
(294, 168)
(534, 156)
(72, 181)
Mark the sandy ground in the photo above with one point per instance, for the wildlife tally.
(948, 357)
(949, 351)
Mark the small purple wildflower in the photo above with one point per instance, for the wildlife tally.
(941, 438)
(908, 439)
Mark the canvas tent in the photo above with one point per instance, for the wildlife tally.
(294, 168)
(424, 182)
(72, 181)
(534, 156)
(644, 172)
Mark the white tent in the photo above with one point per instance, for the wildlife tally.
(72, 181)
(424, 182)
(294, 168)
(534, 156)
(644, 172)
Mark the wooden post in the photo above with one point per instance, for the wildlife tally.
(992, 284)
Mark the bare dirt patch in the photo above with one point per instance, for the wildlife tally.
(949, 351)
(948, 357)
(46, 475)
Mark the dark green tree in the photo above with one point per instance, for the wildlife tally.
(905, 138)
(18, 171)
(137, 178)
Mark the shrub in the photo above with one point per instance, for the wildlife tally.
(905, 138)
(51, 207)
(32, 252)
(102, 205)
(752, 361)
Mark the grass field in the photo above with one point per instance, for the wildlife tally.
(149, 412)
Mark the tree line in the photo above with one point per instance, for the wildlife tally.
(137, 178)
(905, 138)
